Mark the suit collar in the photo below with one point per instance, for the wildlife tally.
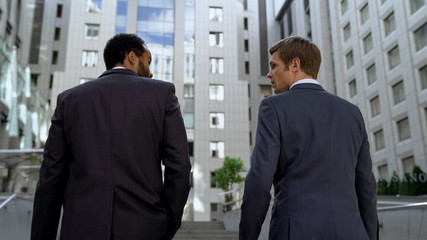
(119, 70)
(307, 86)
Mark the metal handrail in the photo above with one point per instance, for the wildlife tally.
(32, 150)
(224, 193)
(7, 200)
(403, 206)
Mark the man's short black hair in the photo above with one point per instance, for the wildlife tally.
(119, 46)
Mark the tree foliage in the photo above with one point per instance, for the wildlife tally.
(228, 174)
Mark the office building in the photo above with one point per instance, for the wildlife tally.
(24, 111)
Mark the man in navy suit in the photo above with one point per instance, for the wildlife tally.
(313, 146)
(102, 159)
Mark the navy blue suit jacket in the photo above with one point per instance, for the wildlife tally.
(102, 162)
(313, 146)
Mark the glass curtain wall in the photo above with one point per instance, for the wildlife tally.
(156, 20)
(22, 103)
(189, 63)
(121, 19)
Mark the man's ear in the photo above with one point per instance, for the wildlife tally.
(131, 57)
(295, 64)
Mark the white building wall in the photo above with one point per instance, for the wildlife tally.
(235, 105)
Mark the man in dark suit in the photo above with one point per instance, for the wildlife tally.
(313, 146)
(102, 160)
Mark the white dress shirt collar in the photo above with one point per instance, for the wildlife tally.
(119, 68)
(305, 80)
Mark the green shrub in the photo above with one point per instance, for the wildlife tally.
(418, 182)
(393, 187)
(382, 187)
(405, 185)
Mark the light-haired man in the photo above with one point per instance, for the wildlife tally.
(313, 146)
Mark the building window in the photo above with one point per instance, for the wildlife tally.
(34, 78)
(91, 31)
(216, 92)
(217, 65)
(17, 42)
(90, 58)
(371, 73)
(379, 140)
(408, 164)
(216, 39)
(344, 6)
(59, 11)
(217, 149)
(383, 171)
(352, 88)
(215, 14)
(364, 14)
(245, 23)
(415, 5)
(420, 36)
(423, 77)
(393, 57)
(94, 6)
(349, 60)
(216, 120)
(389, 24)
(403, 129)
(398, 92)
(265, 91)
(425, 111)
(122, 7)
(367, 43)
(347, 32)
(51, 81)
(191, 149)
(247, 67)
(246, 45)
(214, 184)
(189, 91)
(289, 17)
(375, 106)
(215, 207)
(57, 34)
(55, 57)
(189, 119)
(121, 17)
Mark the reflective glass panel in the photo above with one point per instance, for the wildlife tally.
(168, 39)
(122, 8)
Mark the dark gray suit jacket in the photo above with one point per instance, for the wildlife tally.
(313, 146)
(102, 162)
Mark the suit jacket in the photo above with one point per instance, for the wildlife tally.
(312, 145)
(102, 162)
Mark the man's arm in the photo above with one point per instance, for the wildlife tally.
(51, 186)
(176, 161)
(366, 188)
(256, 198)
